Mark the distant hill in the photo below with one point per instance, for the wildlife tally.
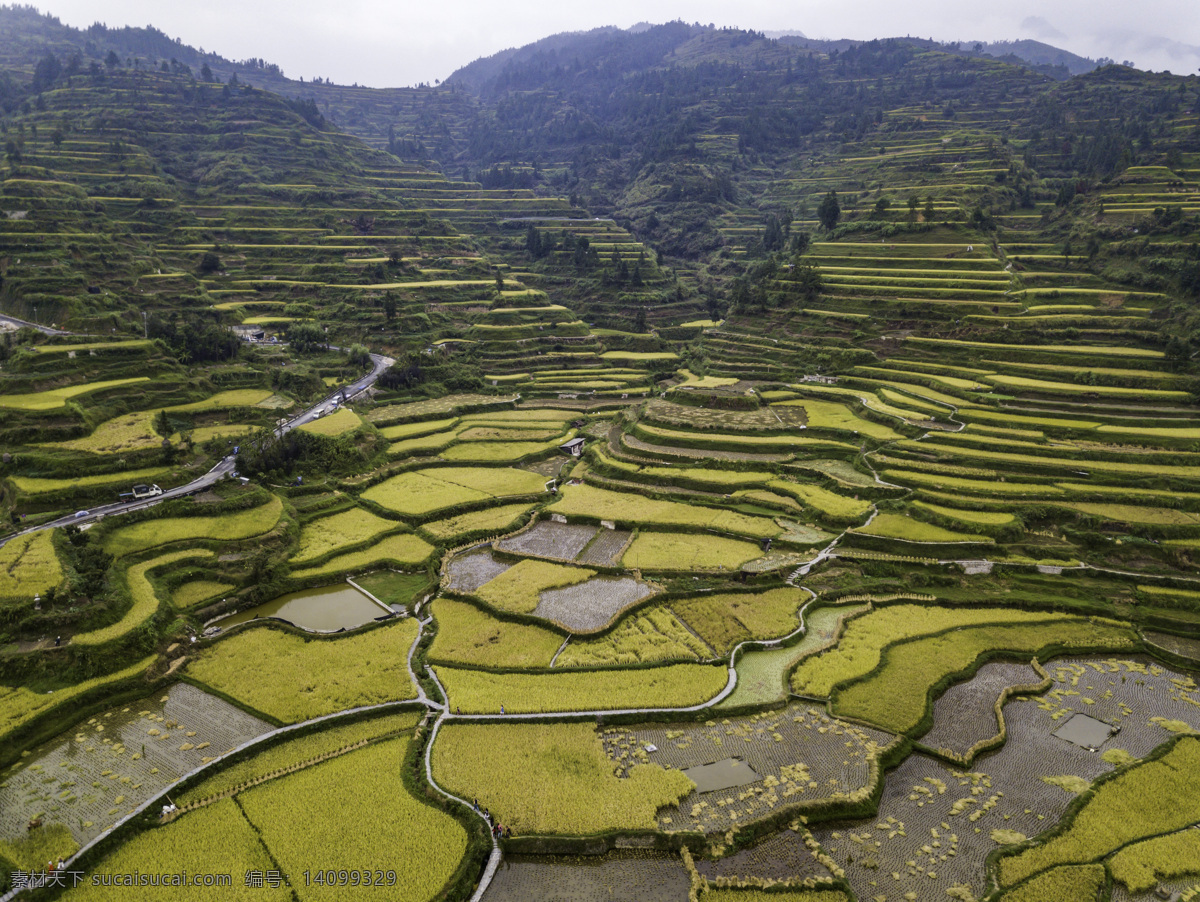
(1035, 53)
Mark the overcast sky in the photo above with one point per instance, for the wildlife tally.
(388, 43)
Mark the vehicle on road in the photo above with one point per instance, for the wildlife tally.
(79, 514)
(146, 491)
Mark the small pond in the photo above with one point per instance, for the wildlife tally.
(326, 609)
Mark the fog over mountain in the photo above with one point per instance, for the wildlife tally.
(377, 43)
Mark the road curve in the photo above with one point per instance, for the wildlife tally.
(223, 467)
(24, 323)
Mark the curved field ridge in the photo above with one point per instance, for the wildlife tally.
(350, 527)
(1153, 797)
(896, 695)
(907, 529)
(688, 551)
(226, 527)
(404, 549)
(58, 397)
(421, 492)
(585, 607)
(145, 599)
(492, 519)
(861, 647)
(518, 589)
(468, 635)
(653, 636)
(603, 504)
(292, 752)
(19, 705)
(1143, 865)
(1078, 883)
(724, 620)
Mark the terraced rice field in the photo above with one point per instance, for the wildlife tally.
(672, 686)
(29, 566)
(152, 533)
(687, 551)
(561, 541)
(1002, 797)
(299, 678)
(58, 397)
(92, 775)
(655, 878)
(965, 383)
(795, 756)
(963, 715)
(403, 550)
(557, 780)
(586, 607)
(422, 492)
(329, 534)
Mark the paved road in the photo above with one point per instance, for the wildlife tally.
(223, 468)
(45, 330)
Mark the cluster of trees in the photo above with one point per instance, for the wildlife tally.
(777, 281)
(307, 337)
(430, 374)
(539, 244)
(507, 177)
(88, 564)
(194, 340)
(307, 110)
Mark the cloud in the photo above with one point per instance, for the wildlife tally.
(1037, 27)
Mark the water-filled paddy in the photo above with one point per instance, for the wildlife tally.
(326, 609)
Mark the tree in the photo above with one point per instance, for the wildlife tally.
(358, 356)
(829, 212)
(772, 238)
(881, 207)
(209, 263)
(46, 72)
(639, 321)
(912, 208)
(206, 74)
(533, 242)
(306, 337)
(499, 282)
(162, 425)
(929, 211)
(112, 60)
(389, 306)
